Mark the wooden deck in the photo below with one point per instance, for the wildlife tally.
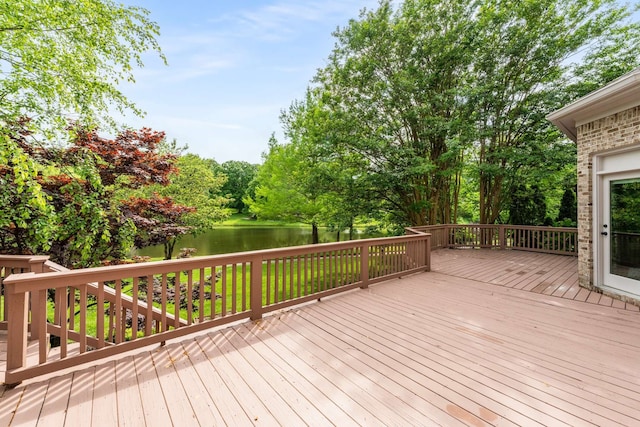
(486, 338)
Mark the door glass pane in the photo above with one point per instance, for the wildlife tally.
(625, 228)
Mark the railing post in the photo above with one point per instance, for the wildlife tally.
(364, 266)
(38, 300)
(256, 288)
(427, 253)
(17, 329)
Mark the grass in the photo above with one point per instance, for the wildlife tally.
(245, 220)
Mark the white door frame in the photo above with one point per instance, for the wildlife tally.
(612, 165)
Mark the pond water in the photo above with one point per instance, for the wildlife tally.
(239, 239)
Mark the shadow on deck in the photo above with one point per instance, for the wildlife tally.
(487, 337)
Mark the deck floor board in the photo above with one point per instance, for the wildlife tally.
(486, 338)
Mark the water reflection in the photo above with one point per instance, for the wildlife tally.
(239, 239)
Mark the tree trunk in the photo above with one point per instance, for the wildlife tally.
(315, 238)
(168, 248)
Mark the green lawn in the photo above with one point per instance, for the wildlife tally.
(245, 220)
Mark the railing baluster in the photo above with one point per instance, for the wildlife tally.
(234, 287)
(189, 298)
(72, 308)
(177, 296)
(100, 314)
(64, 292)
(201, 298)
(244, 286)
(213, 299)
(223, 310)
(148, 322)
(163, 303)
(292, 285)
(134, 309)
(83, 319)
(118, 311)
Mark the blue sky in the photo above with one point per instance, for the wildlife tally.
(233, 66)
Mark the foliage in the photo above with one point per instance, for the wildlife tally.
(625, 205)
(99, 171)
(68, 198)
(130, 160)
(237, 187)
(66, 58)
(26, 218)
(518, 74)
(86, 230)
(390, 87)
(158, 221)
(285, 190)
(568, 207)
(527, 206)
(194, 184)
(336, 175)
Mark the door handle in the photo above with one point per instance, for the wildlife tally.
(604, 233)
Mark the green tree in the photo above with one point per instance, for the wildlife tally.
(527, 205)
(568, 207)
(239, 176)
(63, 58)
(391, 85)
(336, 176)
(285, 188)
(196, 186)
(520, 74)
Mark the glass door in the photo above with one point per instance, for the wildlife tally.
(621, 233)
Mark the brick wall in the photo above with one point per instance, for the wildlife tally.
(615, 131)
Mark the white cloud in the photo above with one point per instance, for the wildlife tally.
(279, 20)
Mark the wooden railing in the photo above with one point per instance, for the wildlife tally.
(14, 264)
(99, 312)
(553, 240)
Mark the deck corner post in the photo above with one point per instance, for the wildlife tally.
(364, 266)
(17, 328)
(256, 288)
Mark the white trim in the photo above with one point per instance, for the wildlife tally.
(619, 95)
(597, 213)
(599, 177)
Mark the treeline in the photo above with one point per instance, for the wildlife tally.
(434, 112)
